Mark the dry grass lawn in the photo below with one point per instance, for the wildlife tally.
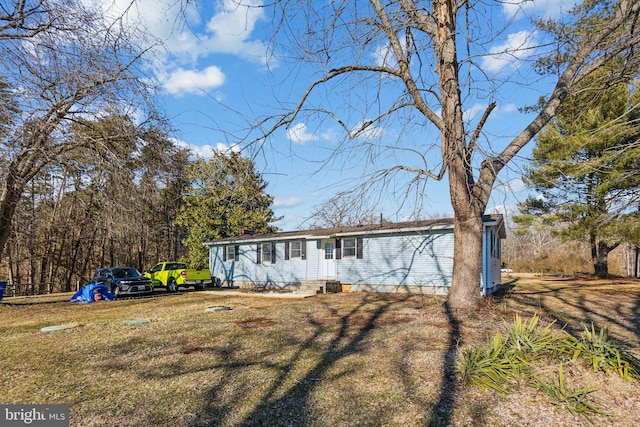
(351, 359)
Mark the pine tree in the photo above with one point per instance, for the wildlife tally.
(226, 196)
(585, 169)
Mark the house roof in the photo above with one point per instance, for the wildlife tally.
(360, 230)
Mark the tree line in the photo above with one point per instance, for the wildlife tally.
(130, 197)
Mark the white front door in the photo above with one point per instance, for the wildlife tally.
(328, 263)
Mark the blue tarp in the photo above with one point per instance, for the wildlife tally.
(88, 292)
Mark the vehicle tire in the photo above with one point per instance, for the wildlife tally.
(172, 286)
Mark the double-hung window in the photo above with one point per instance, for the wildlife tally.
(295, 249)
(266, 253)
(350, 247)
(495, 244)
(230, 253)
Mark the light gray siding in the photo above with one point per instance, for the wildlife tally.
(389, 262)
(491, 254)
(247, 271)
(400, 260)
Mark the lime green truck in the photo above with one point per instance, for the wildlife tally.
(172, 275)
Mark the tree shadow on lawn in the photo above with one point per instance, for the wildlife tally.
(577, 307)
(288, 397)
(442, 410)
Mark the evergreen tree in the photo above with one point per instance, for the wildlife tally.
(585, 168)
(226, 196)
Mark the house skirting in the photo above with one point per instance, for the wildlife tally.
(334, 286)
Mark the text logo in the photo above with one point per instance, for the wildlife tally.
(34, 415)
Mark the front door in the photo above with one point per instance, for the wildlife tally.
(328, 263)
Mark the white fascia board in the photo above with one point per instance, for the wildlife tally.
(392, 231)
(258, 240)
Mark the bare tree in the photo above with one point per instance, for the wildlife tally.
(417, 62)
(23, 19)
(344, 209)
(65, 61)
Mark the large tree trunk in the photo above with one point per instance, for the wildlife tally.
(467, 263)
(469, 201)
(599, 256)
(468, 209)
(11, 193)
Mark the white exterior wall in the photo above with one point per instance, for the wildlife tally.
(491, 265)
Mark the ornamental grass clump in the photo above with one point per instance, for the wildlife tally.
(487, 367)
(527, 349)
(600, 353)
(507, 359)
(575, 401)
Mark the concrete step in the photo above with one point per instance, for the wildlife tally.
(320, 286)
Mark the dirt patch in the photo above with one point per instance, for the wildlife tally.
(192, 349)
(256, 322)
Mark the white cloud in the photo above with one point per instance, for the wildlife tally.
(298, 134)
(383, 56)
(537, 8)
(513, 186)
(187, 39)
(516, 185)
(509, 55)
(180, 26)
(330, 135)
(195, 82)
(473, 111)
(287, 202)
(368, 132)
(476, 110)
(508, 108)
(230, 30)
(206, 151)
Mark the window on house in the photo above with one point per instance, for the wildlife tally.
(349, 248)
(495, 245)
(295, 249)
(266, 253)
(231, 253)
(328, 250)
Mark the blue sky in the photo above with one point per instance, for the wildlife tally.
(217, 75)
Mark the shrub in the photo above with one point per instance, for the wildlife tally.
(504, 362)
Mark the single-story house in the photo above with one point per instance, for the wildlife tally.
(391, 257)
